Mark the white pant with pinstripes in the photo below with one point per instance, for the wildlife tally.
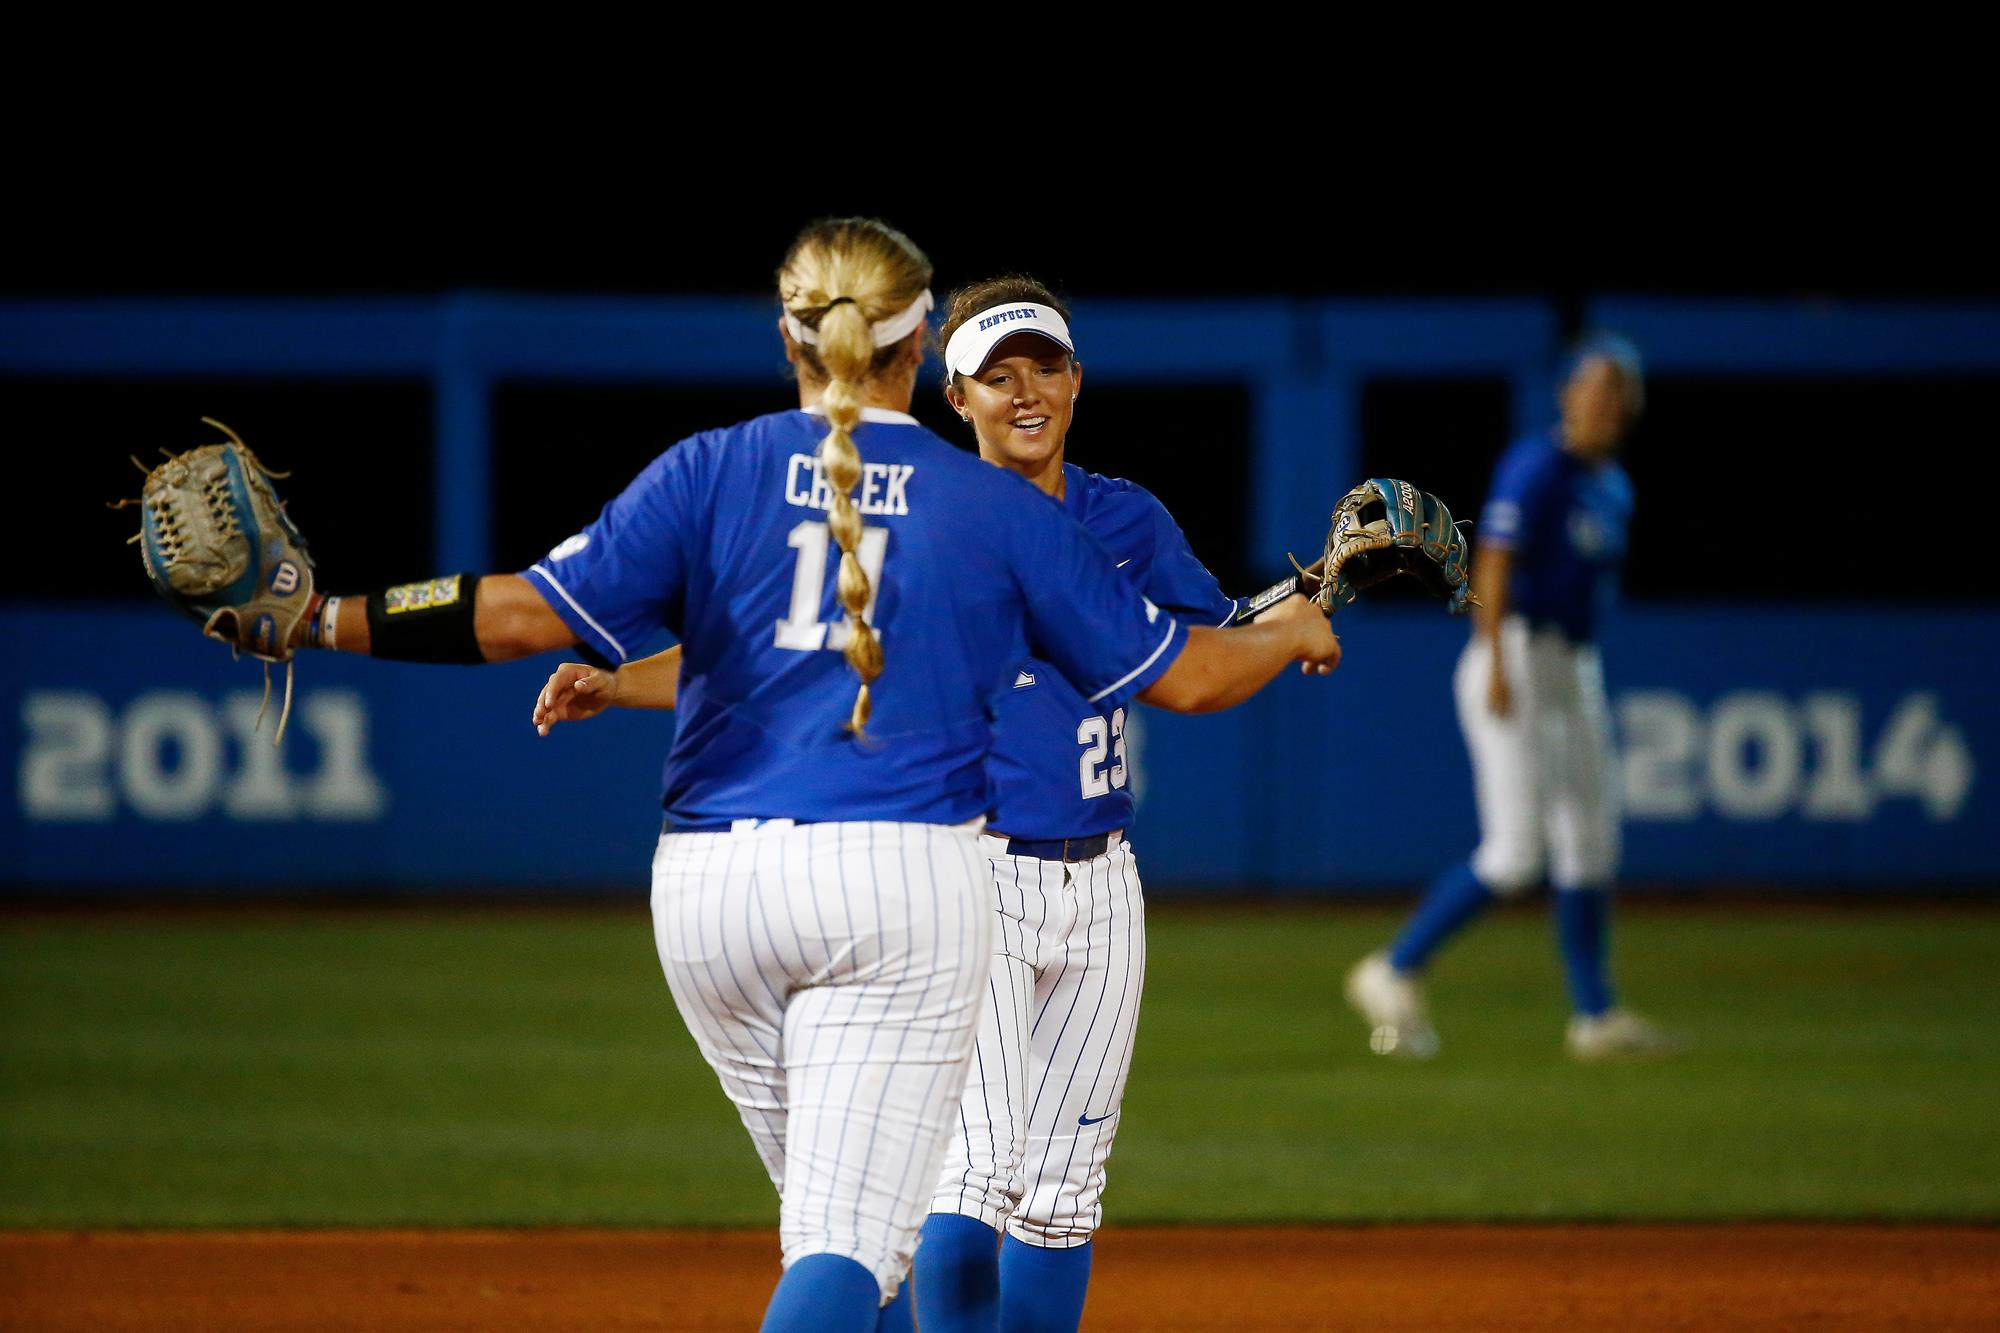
(1055, 1045)
(833, 974)
(1543, 776)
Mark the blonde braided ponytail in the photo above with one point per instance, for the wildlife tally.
(840, 277)
(846, 347)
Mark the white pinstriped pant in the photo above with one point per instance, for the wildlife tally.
(1041, 1105)
(1543, 775)
(832, 975)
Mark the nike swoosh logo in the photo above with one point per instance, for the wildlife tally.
(1086, 1120)
(1122, 563)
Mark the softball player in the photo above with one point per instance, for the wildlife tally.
(1530, 696)
(1055, 1034)
(1041, 1108)
(819, 897)
(1037, 1118)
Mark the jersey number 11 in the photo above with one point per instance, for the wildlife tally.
(802, 630)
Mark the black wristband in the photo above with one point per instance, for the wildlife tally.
(432, 621)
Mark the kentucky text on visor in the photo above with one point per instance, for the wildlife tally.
(973, 341)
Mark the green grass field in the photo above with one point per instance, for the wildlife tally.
(435, 1067)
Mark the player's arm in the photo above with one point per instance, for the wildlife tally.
(1492, 567)
(1095, 627)
(1299, 586)
(1176, 580)
(605, 588)
(576, 691)
(464, 619)
(1220, 668)
(1518, 505)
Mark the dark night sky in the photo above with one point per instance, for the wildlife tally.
(330, 216)
(1277, 158)
(1101, 221)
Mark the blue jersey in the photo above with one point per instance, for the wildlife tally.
(1565, 519)
(1058, 756)
(723, 540)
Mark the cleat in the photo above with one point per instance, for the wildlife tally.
(1620, 1035)
(1393, 1006)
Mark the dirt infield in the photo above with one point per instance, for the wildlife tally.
(1238, 1280)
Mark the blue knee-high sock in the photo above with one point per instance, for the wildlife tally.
(1453, 899)
(1583, 920)
(899, 1315)
(957, 1275)
(1041, 1291)
(824, 1293)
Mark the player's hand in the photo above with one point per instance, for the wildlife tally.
(1499, 695)
(1318, 650)
(573, 693)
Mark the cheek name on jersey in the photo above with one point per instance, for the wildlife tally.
(884, 486)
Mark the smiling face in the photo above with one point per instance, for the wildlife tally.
(1020, 402)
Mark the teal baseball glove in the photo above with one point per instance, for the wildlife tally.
(1383, 528)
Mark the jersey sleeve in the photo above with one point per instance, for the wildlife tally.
(622, 577)
(1083, 616)
(1516, 501)
(1177, 580)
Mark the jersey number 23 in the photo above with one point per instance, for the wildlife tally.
(1100, 740)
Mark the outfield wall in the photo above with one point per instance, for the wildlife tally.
(1774, 743)
(1798, 747)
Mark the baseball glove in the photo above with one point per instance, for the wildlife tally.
(1383, 528)
(220, 549)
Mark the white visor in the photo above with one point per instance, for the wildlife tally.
(972, 343)
(891, 330)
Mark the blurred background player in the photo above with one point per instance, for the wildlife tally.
(1531, 702)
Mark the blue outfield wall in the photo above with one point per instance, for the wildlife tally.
(137, 761)
(1802, 747)
(1797, 746)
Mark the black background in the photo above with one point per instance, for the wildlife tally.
(1747, 488)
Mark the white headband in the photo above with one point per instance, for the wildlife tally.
(893, 329)
(972, 342)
